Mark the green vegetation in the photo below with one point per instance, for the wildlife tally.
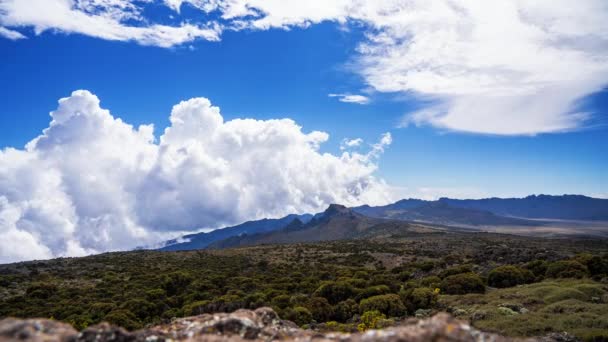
(535, 309)
(512, 285)
(509, 275)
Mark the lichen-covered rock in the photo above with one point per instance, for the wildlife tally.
(38, 330)
(244, 325)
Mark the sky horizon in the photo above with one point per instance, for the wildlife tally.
(176, 115)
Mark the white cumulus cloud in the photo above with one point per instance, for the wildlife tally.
(91, 182)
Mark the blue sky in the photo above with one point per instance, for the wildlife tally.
(377, 99)
(279, 73)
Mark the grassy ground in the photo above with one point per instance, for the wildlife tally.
(576, 306)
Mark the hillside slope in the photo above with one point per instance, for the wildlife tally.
(203, 240)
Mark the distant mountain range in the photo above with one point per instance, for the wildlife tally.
(339, 222)
(440, 212)
(494, 211)
(336, 223)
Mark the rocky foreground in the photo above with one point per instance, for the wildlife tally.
(262, 324)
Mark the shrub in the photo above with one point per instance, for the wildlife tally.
(320, 309)
(335, 292)
(281, 301)
(462, 284)
(509, 275)
(455, 270)
(373, 291)
(123, 318)
(196, 308)
(141, 308)
(389, 304)
(98, 310)
(176, 282)
(41, 290)
(420, 298)
(373, 320)
(299, 315)
(345, 310)
(431, 281)
(566, 269)
(597, 266)
(537, 267)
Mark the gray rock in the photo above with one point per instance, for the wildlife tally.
(245, 325)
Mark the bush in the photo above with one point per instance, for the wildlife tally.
(335, 292)
(320, 309)
(538, 268)
(176, 282)
(299, 315)
(123, 318)
(566, 269)
(41, 290)
(455, 270)
(597, 266)
(141, 308)
(281, 301)
(196, 308)
(431, 281)
(345, 310)
(373, 320)
(98, 310)
(420, 298)
(373, 291)
(462, 284)
(509, 275)
(389, 304)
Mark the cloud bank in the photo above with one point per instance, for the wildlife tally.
(510, 68)
(91, 182)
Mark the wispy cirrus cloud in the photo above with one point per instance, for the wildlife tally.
(10, 34)
(350, 98)
(508, 68)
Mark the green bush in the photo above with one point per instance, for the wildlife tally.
(566, 269)
(141, 308)
(281, 301)
(420, 298)
(176, 282)
(320, 309)
(123, 318)
(462, 283)
(389, 304)
(345, 310)
(538, 268)
(373, 320)
(196, 308)
(98, 310)
(509, 275)
(299, 315)
(372, 291)
(41, 290)
(455, 270)
(335, 292)
(431, 281)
